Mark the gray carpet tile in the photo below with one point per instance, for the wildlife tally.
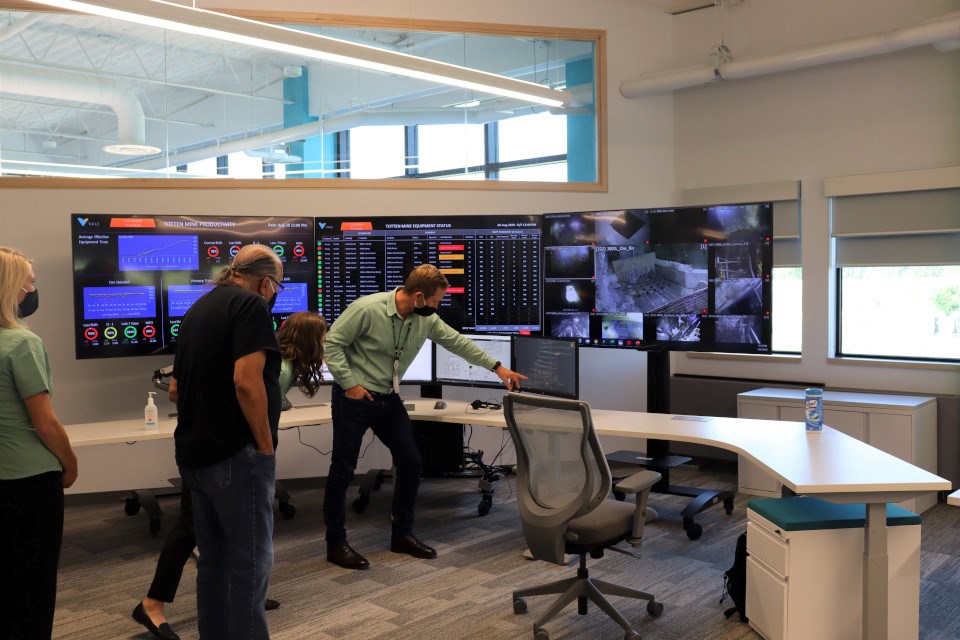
(465, 594)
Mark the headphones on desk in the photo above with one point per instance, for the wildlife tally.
(482, 404)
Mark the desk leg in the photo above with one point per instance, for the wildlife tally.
(875, 573)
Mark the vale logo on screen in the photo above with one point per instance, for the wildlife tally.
(83, 221)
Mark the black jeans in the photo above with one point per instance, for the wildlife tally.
(176, 551)
(390, 422)
(31, 532)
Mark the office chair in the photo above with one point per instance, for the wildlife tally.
(563, 486)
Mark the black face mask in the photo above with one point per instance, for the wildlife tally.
(29, 305)
(424, 311)
(272, 300)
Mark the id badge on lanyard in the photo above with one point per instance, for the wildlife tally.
(396, 374)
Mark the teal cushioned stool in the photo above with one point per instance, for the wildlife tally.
(803, 513)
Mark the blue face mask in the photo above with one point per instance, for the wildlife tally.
(30, 304)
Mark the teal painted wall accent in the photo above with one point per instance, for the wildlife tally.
(318, 152)
(581, 129)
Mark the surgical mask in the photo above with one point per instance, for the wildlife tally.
(29, 305)
(424, 311)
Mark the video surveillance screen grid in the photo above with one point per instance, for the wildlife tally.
(680, 279)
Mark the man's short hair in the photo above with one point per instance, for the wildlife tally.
(425, 279)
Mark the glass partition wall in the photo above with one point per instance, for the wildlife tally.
(85, 96)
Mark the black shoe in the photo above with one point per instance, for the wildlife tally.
(270, 605)
(163, 631)
(343, 556)
(409, 545)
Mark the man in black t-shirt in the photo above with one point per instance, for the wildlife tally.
(226, 386)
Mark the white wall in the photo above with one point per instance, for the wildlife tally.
(886, 113)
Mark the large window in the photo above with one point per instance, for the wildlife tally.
(193, 99)
(898, 270)
(787, 309)
(900, 312)
(528, 148)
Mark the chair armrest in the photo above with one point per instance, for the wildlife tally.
(640, 484)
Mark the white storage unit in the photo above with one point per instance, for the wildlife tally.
(805, 575)
(903, 426)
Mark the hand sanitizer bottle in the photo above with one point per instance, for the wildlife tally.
(150, 420)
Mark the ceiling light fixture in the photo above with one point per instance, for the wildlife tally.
(221, 26)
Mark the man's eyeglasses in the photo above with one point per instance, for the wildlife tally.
(276, 284)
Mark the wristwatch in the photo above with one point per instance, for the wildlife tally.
(496, 366)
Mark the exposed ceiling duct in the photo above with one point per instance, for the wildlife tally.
(942, 32)
(372, 118)
(62, 85)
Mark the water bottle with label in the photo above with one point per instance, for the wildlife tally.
(813, 410)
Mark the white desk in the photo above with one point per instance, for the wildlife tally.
(119, 431)
(830, 465)
(954, 498)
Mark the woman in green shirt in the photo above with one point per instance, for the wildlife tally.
(36, 461)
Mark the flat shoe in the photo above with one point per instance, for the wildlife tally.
(270, 605)
(163, 631)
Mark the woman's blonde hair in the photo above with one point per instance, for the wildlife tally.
(301, 342)
(14, 271)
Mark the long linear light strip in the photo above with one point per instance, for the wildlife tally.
(221, 26)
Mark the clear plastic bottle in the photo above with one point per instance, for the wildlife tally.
(151, 421)
(813, 410)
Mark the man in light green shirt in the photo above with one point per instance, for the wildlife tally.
(367, 351)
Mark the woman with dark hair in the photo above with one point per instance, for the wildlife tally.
(301, 340)
(36, 462)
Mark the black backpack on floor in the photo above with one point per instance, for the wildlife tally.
(735, 581)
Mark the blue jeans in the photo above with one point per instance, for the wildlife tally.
(233, 519)
(388, 418)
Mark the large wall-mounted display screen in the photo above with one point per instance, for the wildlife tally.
(491, 262)
(681, 279)
(135, 276)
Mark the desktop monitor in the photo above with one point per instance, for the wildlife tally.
(454, 370)
(420, 370)
(491, 262)
(672, 279)
(135, 276)
(551, 365)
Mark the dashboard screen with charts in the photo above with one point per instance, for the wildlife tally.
(135, 276)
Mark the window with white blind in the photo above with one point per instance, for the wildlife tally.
(898, 274)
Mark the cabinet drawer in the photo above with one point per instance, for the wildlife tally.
(766, 605)
(768, 547)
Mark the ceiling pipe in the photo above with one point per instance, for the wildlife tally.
(333, 124)
(60, 85)
(942, 32)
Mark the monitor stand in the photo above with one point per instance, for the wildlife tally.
(658, 456)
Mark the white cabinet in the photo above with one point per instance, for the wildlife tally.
(903, 426)
(808, 585)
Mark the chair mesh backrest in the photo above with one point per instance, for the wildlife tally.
(560, 461)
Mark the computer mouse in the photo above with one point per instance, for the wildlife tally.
(440, 404)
